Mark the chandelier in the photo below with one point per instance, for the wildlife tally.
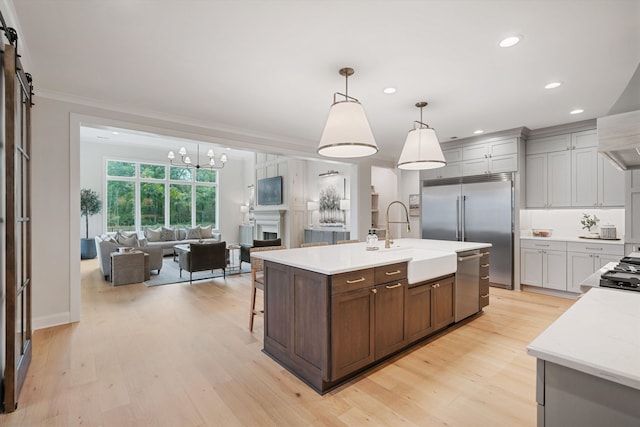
(187, 162)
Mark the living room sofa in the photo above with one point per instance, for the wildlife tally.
(166, 238)
(106, 245)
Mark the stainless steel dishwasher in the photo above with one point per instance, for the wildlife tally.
(467, 284)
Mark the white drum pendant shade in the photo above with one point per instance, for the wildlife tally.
(421, 151)
(347, 132)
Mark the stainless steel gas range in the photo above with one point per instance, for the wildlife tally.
(625, 275)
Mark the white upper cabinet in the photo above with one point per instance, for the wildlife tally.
(491, 157)
(476, 158)
(577, 176)
(548, 180)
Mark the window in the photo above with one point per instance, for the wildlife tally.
(149, 195)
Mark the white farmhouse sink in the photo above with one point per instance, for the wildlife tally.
(427, 264)
(424, 264)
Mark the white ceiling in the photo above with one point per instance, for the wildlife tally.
(271, 67)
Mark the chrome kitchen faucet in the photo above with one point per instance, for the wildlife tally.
(388, 240)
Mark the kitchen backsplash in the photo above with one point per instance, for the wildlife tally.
(566, 222)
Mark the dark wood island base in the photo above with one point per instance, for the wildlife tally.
(327, 329)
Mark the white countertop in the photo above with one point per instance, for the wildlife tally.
(574, 239)
(599, 335)
(437, 255)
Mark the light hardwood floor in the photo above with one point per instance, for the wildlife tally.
(182, 355)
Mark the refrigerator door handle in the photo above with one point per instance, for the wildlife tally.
(462, 217)
(458, 218)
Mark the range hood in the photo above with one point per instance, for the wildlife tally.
(619, 139)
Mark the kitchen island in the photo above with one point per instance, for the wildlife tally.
(333, 311)
(587, 368)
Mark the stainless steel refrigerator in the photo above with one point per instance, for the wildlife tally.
(473, 209)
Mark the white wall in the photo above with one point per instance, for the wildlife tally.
(566, 222)
(385, 182)
(409, 183)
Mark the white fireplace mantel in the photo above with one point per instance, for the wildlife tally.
(269, 221)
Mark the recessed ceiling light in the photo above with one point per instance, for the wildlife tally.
(510, 41)
(389, 90)
(576, 111)
(479, 131)
(552, 85)
(114, 132)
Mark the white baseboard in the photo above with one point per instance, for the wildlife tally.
(551, 292)
(51, 320)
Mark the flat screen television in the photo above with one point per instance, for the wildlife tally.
(270, 191)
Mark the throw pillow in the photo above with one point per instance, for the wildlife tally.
(168, 234)
(181, 233)
(153, 235)
(109, 239)
(205, 232)
(126, 239)
(194, 233)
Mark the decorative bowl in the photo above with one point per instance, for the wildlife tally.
(541, 232)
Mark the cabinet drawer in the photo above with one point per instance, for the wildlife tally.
(352, 280)
(390, 273)
(553, 245)
(596, 248)
(484, 293)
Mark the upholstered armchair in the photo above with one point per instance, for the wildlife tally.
(245, 251)
(204, 256)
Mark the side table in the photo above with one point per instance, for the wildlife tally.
(232, 256)
(129, 267)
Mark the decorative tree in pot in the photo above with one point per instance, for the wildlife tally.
(90, 204)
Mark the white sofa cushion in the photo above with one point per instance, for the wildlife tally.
(205, 232)
(168, 234)
(153, 235)
(194, 233)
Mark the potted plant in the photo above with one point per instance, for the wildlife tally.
(588, 222)
(90, 204)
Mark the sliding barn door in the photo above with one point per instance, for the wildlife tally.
(17, 181)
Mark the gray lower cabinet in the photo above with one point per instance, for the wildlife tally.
(567, 397)
(329, 236)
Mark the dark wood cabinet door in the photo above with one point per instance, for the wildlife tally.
(278, 308)
(389, 324)
(418, 315)
(352, 331)
(443, 303)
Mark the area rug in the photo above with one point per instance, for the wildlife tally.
(170, 273)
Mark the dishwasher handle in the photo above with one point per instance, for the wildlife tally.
(470, 257)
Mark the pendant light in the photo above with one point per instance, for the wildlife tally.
(347, 132)
(421, 149)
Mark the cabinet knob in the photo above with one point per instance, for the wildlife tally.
(375, 291)
(437, 285)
